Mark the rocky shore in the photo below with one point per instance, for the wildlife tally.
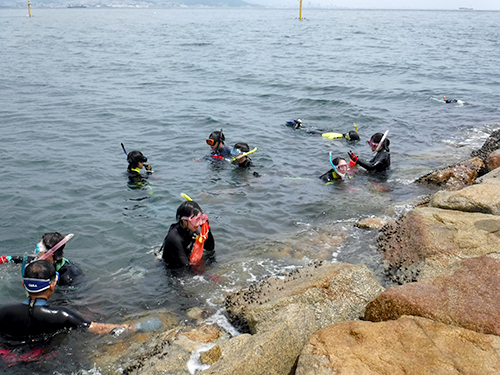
(440, 313)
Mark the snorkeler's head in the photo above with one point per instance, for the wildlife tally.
(38, 276)
(49, 240)
(375, 140)
(242, 146)
(215, 138)
(134, 158)
(188, 209)
(352, 136)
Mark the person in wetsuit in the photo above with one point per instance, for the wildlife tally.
(69, 273)
(382, 159)
(216, 142)
(35, 320)
(237, 151)
(136, 162)
(178, 244)
(337, 174)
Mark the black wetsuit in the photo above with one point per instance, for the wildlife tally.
(135, 176)
(178, 245)
(330, 176)
(380, 162)
(69, 273)
(246, 164)
(21, 323)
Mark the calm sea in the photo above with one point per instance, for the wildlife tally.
(75, 83)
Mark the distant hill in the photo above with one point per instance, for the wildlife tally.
(125, 3)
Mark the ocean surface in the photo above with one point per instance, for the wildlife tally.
(75, 83)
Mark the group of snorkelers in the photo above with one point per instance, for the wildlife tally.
(189, 246)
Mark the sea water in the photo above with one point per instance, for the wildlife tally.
(75, 83)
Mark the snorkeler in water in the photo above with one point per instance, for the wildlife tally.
(179, 244)
(51, 248)
(338, 172)
(136, 162)
(379, 144)
(216, 142)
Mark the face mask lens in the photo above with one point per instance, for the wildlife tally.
(210, 142)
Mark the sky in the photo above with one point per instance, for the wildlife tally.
(390, 4)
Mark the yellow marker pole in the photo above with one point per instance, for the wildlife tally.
(300, 14)
(29, 9)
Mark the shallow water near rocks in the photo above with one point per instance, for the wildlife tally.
(78, 82)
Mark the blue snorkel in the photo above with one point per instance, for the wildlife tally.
(123, 148)
(334, 167)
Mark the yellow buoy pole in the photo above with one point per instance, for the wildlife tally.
(29, 9)
(300, 14)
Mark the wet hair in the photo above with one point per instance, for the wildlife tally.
(188, 209)
(336, 161)
(352, 136)
(134, 158)
(377, 137)
(217, 136)
(242, 146)
(52, 239)
(40, 269)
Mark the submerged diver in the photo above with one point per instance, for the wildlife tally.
(69, 273)
(136, 162)
(178, 245)
(34, 319)
(379, 143)
(338, 172)
(216, 142)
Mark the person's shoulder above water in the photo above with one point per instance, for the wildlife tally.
(379, 144)
(216, 142)
(136, 160)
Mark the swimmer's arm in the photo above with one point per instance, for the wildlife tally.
(102, 328)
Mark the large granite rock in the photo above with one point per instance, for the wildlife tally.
(468, 298)
(493, 160)
(409, 345)
(338, 291)
(428, 242)
(284, 313)
(456, 177)
(484, 198)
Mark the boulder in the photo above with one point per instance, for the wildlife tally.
(372, 223)
(493, 160)
(490, 145)
(338, 292)
(409, 345)
(468, 298)
(483, 198)
(492, 177)
(456, 177)
(427, 242)
(282, 313)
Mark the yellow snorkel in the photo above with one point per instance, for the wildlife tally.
(239, 156)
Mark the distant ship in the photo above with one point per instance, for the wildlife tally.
(77, 6)
(465, 8)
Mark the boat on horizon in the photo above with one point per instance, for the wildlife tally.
(465, 8)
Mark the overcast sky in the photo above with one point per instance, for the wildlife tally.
(390, 4)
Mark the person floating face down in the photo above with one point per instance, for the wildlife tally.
(382, 159)
(136, 162)
(179, 242)
(34, 320)
(69, 273)
(338, 173)
(216, 142)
